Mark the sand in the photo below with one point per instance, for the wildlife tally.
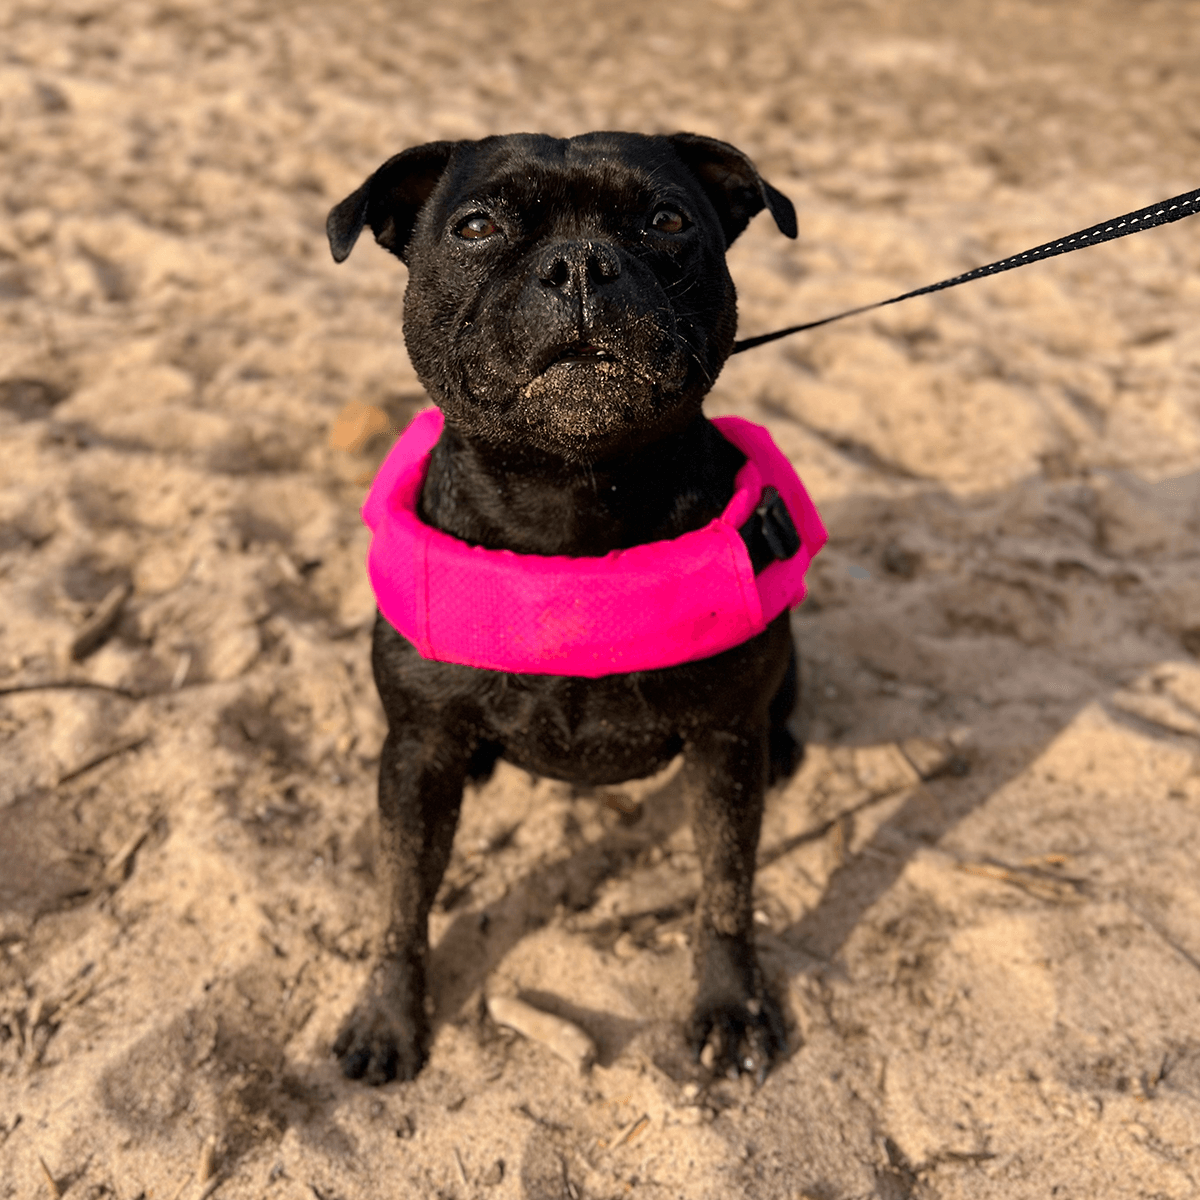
(979, 898)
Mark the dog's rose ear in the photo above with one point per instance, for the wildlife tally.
(733, 184)
(389, 201)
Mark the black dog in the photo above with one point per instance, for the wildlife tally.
(568, 307)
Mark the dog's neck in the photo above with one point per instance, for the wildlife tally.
(535, 504)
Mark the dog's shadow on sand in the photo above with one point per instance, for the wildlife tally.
(478, 939)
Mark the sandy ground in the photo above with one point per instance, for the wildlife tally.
(978, 899)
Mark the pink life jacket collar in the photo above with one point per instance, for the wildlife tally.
(653, 605)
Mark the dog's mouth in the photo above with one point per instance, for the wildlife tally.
(578, 354)
(589, 396)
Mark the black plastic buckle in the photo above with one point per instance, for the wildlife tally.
(769, 533)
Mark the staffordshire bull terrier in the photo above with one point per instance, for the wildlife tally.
(568, 308)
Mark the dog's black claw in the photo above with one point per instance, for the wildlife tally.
(383, 1066)
(354, 1066)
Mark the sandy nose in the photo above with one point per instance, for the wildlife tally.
(567, 266)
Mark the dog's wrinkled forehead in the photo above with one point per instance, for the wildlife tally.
(593, 176)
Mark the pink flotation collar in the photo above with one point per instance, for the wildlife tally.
(654, 605)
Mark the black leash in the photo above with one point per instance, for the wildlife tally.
(1144, 218)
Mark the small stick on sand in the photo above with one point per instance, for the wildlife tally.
(51, 1182)
(186, 1180)
(185, 661)
(60, 685)
(119, 867)
(208, 1159)
(568, 1187)
(1063, 889)
(568, 1041)
(103, 757)
(633, 1131)
(97, 628)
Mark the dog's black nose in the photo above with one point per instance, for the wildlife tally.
(578, 265)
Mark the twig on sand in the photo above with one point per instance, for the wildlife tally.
(103, 757)
(569, 1189)
(633, 1131)
(120, 866)
(181, 670)
(837, 824)
(207, 1165)
(186, 1180)
(97, 628)
(66, 685)
(51, 1182)
(1156, 928)
(544, 1122)
(568, 1041)
(206, 1170)
(1061, 889)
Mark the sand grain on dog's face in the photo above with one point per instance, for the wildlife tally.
(978, 898)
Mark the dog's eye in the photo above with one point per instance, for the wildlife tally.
(667, 220)
(476, 226)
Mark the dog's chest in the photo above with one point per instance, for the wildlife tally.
(589, 731)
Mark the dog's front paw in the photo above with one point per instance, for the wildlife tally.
(735, 1018)
(745, 1036)
(386, 1034)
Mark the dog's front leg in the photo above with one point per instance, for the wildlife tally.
(727, 776)
(421, 776)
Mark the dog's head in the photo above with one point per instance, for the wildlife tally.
(565, 294)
